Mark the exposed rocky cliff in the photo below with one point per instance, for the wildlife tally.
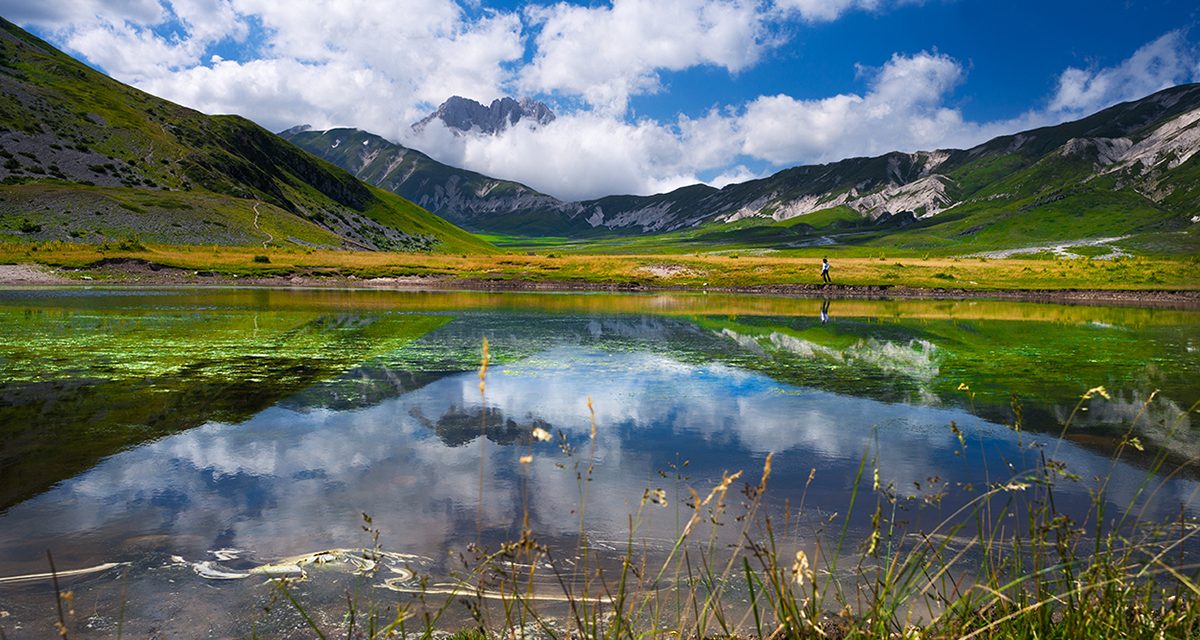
(463, 115)
(472, 200)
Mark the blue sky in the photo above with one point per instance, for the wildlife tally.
(651, 94)
(1014, 51)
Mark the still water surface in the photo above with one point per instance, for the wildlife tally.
(171, 431)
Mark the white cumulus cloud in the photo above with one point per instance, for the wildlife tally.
(577, 156)
(352, 62)
(131, 53)
(431, 48)
(904, 109)
(593, 153)
(53, 15)
(825, 10)
(1165, 62)
(381, 67)
(605, 54)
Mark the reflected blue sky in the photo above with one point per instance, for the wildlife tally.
(293, 480)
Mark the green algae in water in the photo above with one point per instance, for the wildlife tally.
(82, 384)
(995, 368)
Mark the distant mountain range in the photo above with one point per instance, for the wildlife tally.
(85, 158)
(1129, 169)
(464, 116)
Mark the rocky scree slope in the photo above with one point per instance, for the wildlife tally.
(471, 200)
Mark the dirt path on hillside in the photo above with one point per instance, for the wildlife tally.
(270, 238)
(1060, 249)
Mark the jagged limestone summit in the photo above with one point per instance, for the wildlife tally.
(465, 116)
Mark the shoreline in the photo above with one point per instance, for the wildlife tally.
(142, 274)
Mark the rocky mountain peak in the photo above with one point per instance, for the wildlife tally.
(463, 115)
(291, 131)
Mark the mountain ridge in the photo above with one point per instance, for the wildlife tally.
(1141, 153)
(466, 116)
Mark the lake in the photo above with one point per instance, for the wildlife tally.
(188, 438)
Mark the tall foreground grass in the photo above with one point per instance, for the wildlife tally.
(1006, 563)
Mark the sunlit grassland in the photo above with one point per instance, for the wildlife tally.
(153, 215)
(684, 271)
(1122, 222)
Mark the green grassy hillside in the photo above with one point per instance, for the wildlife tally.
(466, 198)
(86, 158)
(1123, 180)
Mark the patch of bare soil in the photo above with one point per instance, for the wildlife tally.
(19, 274)
(667, 270)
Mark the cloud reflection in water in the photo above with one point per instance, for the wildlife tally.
(293, 480)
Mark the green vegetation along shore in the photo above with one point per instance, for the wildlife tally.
(135, 263)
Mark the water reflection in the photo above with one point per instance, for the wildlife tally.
(79, 384)
(385, 417)
(290, 480)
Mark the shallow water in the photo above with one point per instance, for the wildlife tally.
(155, 428)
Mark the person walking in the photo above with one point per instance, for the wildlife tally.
(825, 279)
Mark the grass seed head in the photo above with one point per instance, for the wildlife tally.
(483, 362)
(655, 496)
(800, 568)
(762, 486)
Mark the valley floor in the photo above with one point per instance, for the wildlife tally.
(989, 279)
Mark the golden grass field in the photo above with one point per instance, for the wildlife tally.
(691, 271)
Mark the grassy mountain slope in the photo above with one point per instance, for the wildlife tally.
(466, 198)
(86, 158)
(1082, 179)
(1131, 171)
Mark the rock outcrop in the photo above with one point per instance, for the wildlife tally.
(463, 115)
